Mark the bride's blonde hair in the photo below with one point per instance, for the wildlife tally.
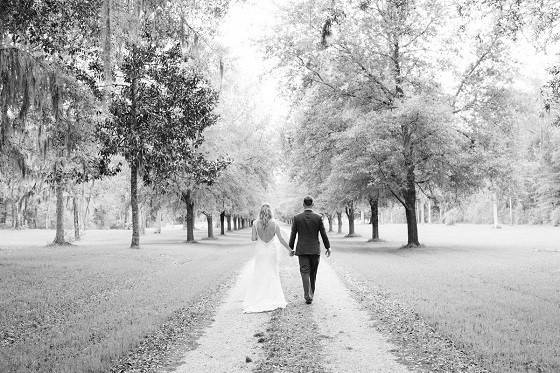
(265, 215)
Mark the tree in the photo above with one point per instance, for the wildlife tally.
(311, 147)
(241, 136)
(380, 56)
(75, 154)
(42, 51)
(157, 124)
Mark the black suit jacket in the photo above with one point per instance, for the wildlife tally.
(307, 226)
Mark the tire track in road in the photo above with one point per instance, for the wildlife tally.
(348, 337)
(230, 339)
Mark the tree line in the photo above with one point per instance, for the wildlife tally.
(413, 102)
(94, 89)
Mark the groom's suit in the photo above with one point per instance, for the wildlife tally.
(307, 226)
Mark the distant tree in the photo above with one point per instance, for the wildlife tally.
(379, 56)
(44, 46)
(157, 124)
(241, 136)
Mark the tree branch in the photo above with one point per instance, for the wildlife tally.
(472, 69)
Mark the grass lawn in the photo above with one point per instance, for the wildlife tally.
(77, 308)
(494, 292)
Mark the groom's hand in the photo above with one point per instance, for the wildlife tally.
(292, 252)
(328, 252)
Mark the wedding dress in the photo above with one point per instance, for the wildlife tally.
(263, 290)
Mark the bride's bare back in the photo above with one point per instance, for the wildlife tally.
(266, 234)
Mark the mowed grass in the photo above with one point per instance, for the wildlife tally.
(496, 293)
(77, 308)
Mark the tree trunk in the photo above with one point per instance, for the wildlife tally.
(210, 226)
(15, 224)
(510, 211)
(47, 215)
(429, 211)
(107, 44)
(25, 212)
(350, 215)
(330, 219)
(36, 218)
(158, 218)
(135, 242)
(126, 206)
(411, 223)
(339, 221)
(234, 222)
(59, 237)
(187, 198)
(228, 218)
(76, 218)
(374, 220)
(143, 220)
(222, 218)
(495, 209)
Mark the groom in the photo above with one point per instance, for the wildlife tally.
(307, 226)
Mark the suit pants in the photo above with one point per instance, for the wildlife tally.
(308, 265)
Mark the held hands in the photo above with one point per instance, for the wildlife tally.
(328, 252)
(291, 252)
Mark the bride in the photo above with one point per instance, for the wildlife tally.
(264, 291)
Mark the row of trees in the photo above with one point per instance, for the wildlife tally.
(411, 99)
(91, 89)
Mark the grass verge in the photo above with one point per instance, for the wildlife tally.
(81, 308)
(419, 346)
(493, 293)
(163, 349)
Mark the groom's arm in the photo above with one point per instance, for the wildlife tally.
(324, 235)
(293, 234)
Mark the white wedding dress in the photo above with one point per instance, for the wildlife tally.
(263, 290)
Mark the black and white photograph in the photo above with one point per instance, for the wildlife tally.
(280, 186)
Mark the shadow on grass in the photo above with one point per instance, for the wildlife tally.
(60, 245)
(231, 239)
(395, 248)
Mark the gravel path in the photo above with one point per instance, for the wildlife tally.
(163, 349)
(290, 341)
(333, 334)
(230, 339)
(350, 342)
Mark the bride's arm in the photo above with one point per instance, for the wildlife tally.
(254, 232)
(282, 240)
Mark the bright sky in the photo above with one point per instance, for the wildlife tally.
(533, 64)
(245, 23)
